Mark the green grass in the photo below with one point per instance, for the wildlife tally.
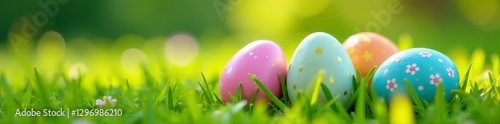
(173, 101)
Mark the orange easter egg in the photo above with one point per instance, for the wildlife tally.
(368, 50)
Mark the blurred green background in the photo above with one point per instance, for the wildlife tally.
(209, 32)
(432, 23)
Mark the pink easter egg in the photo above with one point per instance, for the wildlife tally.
(262, 58)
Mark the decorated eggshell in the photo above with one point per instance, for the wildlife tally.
(423, 68)
(321, 51)
(265, 60)
(368, 50)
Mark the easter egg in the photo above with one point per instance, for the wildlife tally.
(320, 51)
(368, 50)
(423, 68)
(265, 60)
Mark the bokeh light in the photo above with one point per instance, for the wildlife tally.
(132, 60)
(181, 49)
(20, 36)
(483, 13)
(311, 7)
(401, 110)
(262, 19)
(78, 70)
(51, 49)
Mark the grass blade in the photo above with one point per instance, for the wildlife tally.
(162, 95)
(492, 80)
(269, 94)
(414, 95)
(41, 87)
(170, 101)
(329, 103)
(283, 89)
(238, 93)
(466, 78)
(252, 99)
(327, 92)
(27, 97)
(317, 84)
(472, 103)
(361, 100)
(217, 98)
(351, 99)
(205, 94)
(129, 89)
(361, 103)
(342, 111)
(207, 89)
(154, 95)
(440, 105)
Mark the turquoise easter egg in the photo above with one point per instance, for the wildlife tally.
(423, 68)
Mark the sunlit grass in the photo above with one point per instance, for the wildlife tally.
(156, 91)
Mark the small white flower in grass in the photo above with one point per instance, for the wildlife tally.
(106, 100)
(81, 121)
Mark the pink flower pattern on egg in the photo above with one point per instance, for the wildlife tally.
(435, 79)
(262, 58)
(412, 69)
(425, 54)
(450, 71)
(391, 84)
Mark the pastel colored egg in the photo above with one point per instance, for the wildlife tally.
(265, 60)
(321, 51)
(423, 68)
(368, 50)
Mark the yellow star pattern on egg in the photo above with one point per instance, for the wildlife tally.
(367, 56)
(301, 69)
(348, 74)
(386, 41)
(334, 44)
(294, 86)
(366, 39)
(351, 51)
(383, 51)
(339, 58)
(331, 79)
(319, 50)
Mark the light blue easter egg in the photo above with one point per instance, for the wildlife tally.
(423, 68)
(321, 51)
